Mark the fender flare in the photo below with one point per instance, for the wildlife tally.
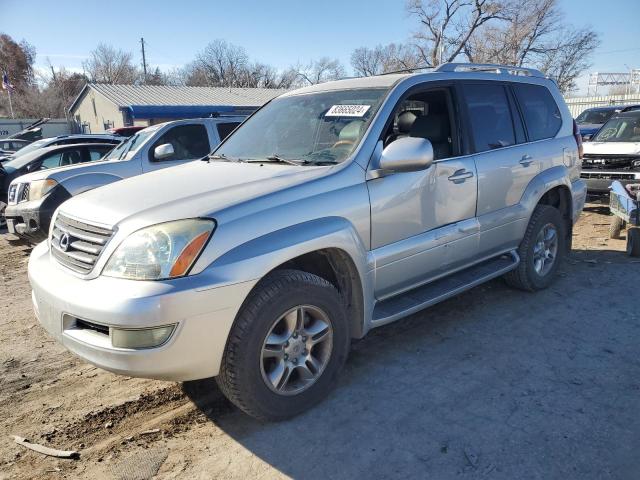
(88, 181)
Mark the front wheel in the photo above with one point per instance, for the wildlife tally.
(287, 346)
(541, 250)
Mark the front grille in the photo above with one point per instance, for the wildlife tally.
(24, 195)
(77, 245)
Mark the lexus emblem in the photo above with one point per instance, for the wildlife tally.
(64, 242)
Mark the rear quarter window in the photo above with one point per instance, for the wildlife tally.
(542, 116)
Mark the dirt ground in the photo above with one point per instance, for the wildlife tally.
(494, 383)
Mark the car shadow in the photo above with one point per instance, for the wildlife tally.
(470, 385)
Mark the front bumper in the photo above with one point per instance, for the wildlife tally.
(203, 313)
(30, 220)
(599, 181)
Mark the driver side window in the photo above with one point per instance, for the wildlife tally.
(188, 141)
(425, 115)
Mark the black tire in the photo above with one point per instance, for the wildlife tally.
(615, 227)
(525, 277)
(633, 242)
(240, 377)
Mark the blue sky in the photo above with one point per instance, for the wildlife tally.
(280, 33)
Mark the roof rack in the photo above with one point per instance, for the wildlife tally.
(490, 68)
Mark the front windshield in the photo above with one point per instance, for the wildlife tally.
(31, 147)
(128, 148)
(620, 129)
(310, 128)
(597, 116)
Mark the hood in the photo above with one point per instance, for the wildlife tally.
(61, 173)
(612, 148)
(195, 189)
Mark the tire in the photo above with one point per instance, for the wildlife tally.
(615, 227)
(527, 276)
(244, 377)
(633, 242)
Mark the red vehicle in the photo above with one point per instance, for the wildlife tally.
(124, 131)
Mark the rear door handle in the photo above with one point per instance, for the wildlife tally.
(526, 160)
(460, 176)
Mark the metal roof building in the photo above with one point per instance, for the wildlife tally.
(101, 106)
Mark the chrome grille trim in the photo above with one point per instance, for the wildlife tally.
(24, 195)
(84, 243)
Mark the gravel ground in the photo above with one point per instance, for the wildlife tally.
(494, 383)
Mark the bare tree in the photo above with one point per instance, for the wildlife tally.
(384, 58)
(220, 64)
(109, 65)
(321, 70)
(535, 36)
(447, 25)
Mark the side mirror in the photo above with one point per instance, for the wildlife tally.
(407, 154)
(164, 151)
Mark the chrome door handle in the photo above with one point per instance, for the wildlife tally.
(460, 176)
(526, 160)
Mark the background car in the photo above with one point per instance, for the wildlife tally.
(64, 140)
(591, 119)
(45, 158)
(9, 146)
(613, 153)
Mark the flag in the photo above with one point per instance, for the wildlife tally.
(6, 85)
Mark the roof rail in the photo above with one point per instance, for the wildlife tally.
(491, 68)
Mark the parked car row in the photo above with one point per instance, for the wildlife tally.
(33, 184)
(332, 210)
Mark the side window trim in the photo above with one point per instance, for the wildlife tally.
(517, 115)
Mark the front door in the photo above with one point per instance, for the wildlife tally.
(423, 223)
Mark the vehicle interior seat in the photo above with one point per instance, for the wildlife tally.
(403, 126)
(349, 134)
(70, 158)
(435, 128)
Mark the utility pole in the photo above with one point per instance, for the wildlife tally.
(144, 61)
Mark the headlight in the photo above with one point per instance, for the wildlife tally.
(39, 188)
(162, 251)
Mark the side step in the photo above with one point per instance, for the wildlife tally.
(415, 300)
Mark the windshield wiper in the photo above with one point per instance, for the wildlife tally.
(275, 158)
(222, 157)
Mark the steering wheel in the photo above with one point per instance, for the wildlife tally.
(340, 143)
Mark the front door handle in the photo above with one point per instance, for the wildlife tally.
(526, 160)
(460, 176)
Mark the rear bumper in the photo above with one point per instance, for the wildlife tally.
(203, 314)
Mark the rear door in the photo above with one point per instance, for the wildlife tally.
(505, 162)
(189, 143)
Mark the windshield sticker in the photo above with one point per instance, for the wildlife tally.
(347, 111)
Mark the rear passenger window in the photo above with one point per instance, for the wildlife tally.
(490, 116)
(224, 129)
(541, 114)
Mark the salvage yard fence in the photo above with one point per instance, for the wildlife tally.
(578, 104)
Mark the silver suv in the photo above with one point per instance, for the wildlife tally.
(332, 210)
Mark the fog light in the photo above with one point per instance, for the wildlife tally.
(140, 338)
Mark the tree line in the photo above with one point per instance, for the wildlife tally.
(534, 34)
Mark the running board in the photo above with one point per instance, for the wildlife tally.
(415, 300)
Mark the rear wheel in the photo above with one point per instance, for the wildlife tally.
(633, 242)
(287, 346)
(541, 250)
(615, 227)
